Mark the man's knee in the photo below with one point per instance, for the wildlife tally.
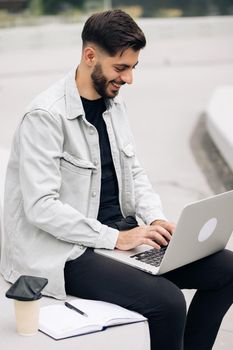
(167, 301)
(222, 267)
(173, 305)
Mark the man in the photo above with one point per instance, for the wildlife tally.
(74, 183)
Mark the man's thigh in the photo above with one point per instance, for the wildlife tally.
(93, 276)
(210, 272)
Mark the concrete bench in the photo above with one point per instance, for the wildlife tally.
(219, 115)
(127, 337)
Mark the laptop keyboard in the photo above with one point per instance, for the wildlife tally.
(152, 257)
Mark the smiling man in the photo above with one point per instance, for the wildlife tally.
(74, 183)
(107, 74)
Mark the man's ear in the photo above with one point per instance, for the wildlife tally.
(89, 55)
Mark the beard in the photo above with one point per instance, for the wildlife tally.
(101, 83)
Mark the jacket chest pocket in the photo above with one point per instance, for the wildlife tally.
(76, 181)
(128, 153)
(127, 160)
(77, 165)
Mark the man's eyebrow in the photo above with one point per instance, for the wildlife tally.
(123, 65)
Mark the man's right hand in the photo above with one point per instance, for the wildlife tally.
(154, 235)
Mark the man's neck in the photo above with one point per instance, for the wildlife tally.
(84, 84)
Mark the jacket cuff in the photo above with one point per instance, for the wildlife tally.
(107, 238)
(154, 216)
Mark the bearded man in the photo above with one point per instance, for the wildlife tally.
(74, 183)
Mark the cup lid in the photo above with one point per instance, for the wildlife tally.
(27, 288)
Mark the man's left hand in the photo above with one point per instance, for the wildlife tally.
(169, 226)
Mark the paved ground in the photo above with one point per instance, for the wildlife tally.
(184, 62)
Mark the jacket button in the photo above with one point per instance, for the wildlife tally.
(91, 131)
(93, 194)
(95, 162)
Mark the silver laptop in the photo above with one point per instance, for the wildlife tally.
(204, 228)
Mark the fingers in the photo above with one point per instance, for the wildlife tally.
(157, 235)
(151, 243)
(154, 235)
(159, 239)
(169, 226)
(159, 232)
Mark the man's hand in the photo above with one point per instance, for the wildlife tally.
(156, 235)
(169, 226)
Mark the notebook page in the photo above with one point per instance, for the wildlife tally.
(61, 322)
(106, 313)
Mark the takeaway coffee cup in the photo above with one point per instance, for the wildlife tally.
(26, 292)
(27, 316)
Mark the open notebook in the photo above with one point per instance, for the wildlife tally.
(60, 322)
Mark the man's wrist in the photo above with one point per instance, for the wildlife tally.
(157, 221)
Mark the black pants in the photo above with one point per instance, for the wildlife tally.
(159, 298)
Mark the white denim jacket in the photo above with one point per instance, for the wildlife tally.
(53, 186)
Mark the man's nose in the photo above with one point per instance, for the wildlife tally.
(127, 77)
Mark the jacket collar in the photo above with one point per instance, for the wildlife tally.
(74, 105)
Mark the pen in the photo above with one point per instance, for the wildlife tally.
(75, 309)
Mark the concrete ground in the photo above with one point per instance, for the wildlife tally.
(185, 60)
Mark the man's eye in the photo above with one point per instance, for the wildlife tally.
(117, 69)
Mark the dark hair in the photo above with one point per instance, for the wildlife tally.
(114, 31)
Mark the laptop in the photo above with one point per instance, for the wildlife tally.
(204, 228)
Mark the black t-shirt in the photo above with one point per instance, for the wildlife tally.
(109, 209)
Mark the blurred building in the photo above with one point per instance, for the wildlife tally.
(13, 5)
(170, 8)
(145, 8)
